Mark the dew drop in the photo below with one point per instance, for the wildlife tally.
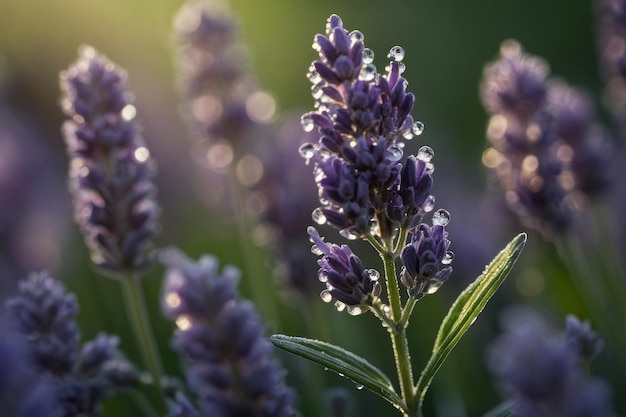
(307, 150)
(306, 121)
(359, 386)
(434, 287)
(316, 251)
(368, 72)
(372, 274)
(356, 35)
(368, 56)
(394, 153)
(349, 233)
(326, 296)
(322, 276)
(441, 217)
(429, 204)
(396, 53)
(430, 168)
(401, 67)
(317, 92)
(340, 307)
(417, 128)
(447, 259)
(425, 153)
(355, 310)
(316, 46)
(318, 216)
(314, 76)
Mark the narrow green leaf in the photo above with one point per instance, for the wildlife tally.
(343, 362)
(467, 307)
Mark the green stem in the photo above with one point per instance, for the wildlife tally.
(406, 312)
(398, 335)
(138, 314)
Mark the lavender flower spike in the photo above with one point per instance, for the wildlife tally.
(347, 281)
(426, 259)
(230, 364)
(111, 172)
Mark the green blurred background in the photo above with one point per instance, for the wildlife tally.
(447, 44)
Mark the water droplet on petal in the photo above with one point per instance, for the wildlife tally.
(306, 121)
(316, 251)
(433, 287)
(307, 150)
(418, 128)
(396, 53)
(425, 153)
(318, 216)
(447, 259)
(314, 76)
(322, 276)
(355, 310)
(368, 72)
(394, 153)
(401, 67)
(340, 307)
(441, 217)
(326, 296)
(356, 35)
(317, 92)
(372, 274)
(368, 56)
(429, 204)
(349, 233)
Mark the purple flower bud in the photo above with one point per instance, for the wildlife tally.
(426, 259)
(583, 341)
(110, 167)
(347, 281)
(230, 363)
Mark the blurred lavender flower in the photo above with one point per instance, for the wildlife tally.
(44, 313)
(347, 281)
(542, 375)
(426, 259)
(230, 367)
(546, 152)
(284, 204)
(110, 168)
(585, 343)
(23, 393)
(221, 99)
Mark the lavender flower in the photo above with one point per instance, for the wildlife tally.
(347, 281)
(230, 367)
(546, 151)
(585, 343)
(44, 313)
(542, 376)
(222, 100)
(362, 116)
(23, 393)
(110, 168)
(426, 259)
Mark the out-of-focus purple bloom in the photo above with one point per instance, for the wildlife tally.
(44, 313)
(110, 167)
(546, 151)
(221, 98)
(362, 117)
(586, 343)
(23, 392)
(542, 375)
(181, 407)
(426, 259)
(347, 281)
(230, 364)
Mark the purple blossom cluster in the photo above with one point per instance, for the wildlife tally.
(111, 171)
(362, 118)
(543, 374)
(231, 368)
(547, 151)
(77, 377)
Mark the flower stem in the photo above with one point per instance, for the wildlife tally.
(398, 334)
(138, 315)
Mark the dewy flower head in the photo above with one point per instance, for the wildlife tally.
(111, 171)
(362, 117)
(347, 281)
(231, 368)
(426, 259)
